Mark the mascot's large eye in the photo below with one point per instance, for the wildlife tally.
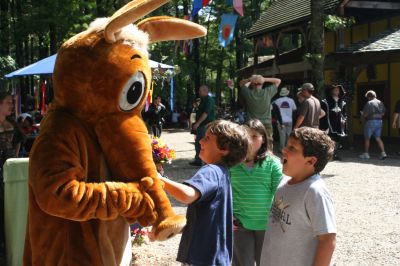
(132, 92)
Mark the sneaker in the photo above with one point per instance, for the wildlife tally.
(383, 156)
(364, 156)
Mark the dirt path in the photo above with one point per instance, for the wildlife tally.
(366, 195)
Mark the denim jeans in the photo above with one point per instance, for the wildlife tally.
(284, 132)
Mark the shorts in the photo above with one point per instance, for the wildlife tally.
(373, 128)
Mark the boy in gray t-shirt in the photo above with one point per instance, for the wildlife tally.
(302, 227)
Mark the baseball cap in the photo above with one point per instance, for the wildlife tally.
(306, 86)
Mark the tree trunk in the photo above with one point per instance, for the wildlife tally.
(17, 14)
(255, 10)
(196, 59)
(239, 61)
(218, 80)
(317, 41)
(53, 38)
(206, 45)
(4, 28)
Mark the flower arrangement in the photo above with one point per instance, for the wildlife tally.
(139, 235)
(162, 153)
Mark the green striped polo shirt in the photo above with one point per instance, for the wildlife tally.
(253, 190)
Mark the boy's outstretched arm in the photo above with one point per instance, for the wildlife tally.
(181, 192)
(326, 246)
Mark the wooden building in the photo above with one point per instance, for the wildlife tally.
(364, 55)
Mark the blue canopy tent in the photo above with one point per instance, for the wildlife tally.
(46, 66)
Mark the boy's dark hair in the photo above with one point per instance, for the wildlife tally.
(231, 137)
(263, 152)
(315, 143)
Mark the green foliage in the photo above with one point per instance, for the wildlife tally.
(7, 65)
(335, 23)
(38, 28)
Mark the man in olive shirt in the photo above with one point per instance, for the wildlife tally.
(257, 100)
(310, 110)
(204, 115)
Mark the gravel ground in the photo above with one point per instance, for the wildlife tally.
(366, 195)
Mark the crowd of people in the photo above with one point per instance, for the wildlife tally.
(245, 205)
(16, 138)
(277, 204)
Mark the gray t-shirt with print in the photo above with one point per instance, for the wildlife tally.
(299, 214)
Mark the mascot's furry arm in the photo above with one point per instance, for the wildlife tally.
(67, 190)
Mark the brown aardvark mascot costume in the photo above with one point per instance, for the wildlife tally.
(91, 171)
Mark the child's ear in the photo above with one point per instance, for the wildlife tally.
(312, 160)
(225, 152)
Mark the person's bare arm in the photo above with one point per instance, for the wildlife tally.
(181, 192)
(325, 248)
(274, 81)
(299, 120)
(243, 82)
(202, 117)
(394, 123)
(322, 114)
(17, 148)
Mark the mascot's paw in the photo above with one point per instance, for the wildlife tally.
(149, 214)
(169, 227)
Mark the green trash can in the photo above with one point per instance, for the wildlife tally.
(15, 172)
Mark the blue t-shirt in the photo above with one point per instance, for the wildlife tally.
(207, 237)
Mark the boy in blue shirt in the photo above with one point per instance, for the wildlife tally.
(302, 227)
(207, 237)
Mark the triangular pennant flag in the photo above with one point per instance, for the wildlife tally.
(238, 6)
(205, 2)
(227, 29)
(197, 5)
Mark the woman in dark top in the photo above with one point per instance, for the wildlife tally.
(10, 142)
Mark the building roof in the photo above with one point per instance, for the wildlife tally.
(384, 41)
(282, 13)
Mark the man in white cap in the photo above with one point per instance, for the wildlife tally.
(373, 113)
(286, 107)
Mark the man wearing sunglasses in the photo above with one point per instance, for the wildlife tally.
(257, 99)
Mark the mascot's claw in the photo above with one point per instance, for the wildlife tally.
(169, 227)
(146, 183)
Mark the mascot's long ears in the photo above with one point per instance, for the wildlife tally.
(159, 28)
